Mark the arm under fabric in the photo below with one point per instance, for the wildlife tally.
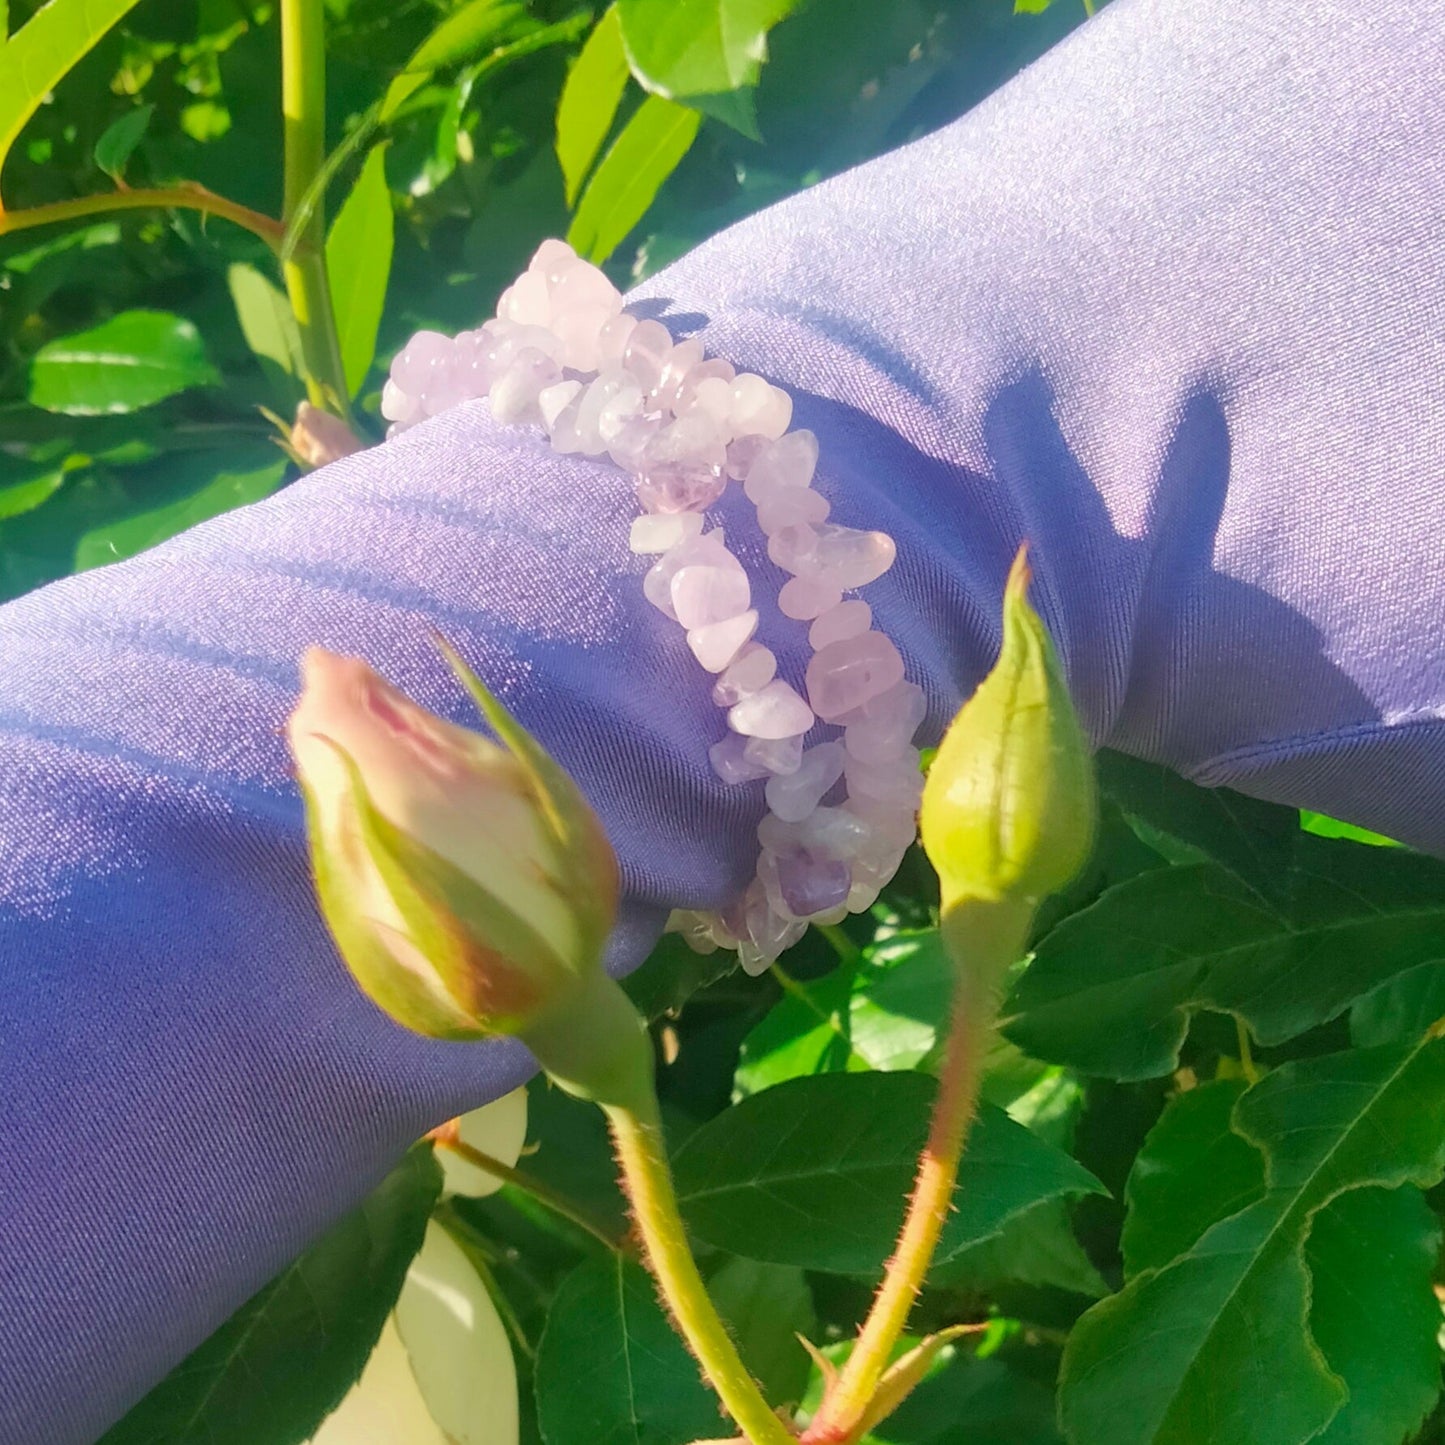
(1167, 306)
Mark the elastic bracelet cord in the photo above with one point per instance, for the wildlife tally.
(563, 353)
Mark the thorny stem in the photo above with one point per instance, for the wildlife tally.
(303, 106)
(447, 1138)
(637, 1132)
(983, 937)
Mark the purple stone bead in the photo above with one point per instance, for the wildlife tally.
(811, 884)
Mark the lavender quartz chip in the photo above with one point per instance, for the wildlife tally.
(811, 884)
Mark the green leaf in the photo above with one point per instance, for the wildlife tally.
(267, 321)
(1402, 1009)
(1255, 841)
(623, 186)
(120, 138)
(358, 264)
(1193, 1171)
(1371, 1256)
(672, 973)
(284, 1360)
(244, 478)
(1111, 989)
(1001, 1406)
(901, 999)
(1222, 1344)
(611, 1371)
(814, 1171)
(684, 48)
(589, 101)
(766, 1307)
(131, 361)
(806, 1032)
(17, 498)
(458, 37)
(887, 1016)
(1037, 1247)
(35, 58)
(1323, 826)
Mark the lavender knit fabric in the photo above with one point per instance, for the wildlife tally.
(1169, 306)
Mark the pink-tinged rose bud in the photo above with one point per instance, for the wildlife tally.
(469, 886)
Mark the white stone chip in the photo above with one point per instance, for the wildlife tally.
(839, 623)
(656, 532)
(717, 644)
(775, 711)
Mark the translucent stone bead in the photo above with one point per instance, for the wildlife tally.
(846, 674)
(791, 507)
(790, 461)
(582, 286)
(658, 532)
(466, 370)
(552, 256)
(759, 408)
(803, 599)
(497, 346)
(884, 726)
(613, 338)
(514, 393)
(714, 369)
(752, 669)
(774, 711)
(811, 884)
(793, 797)
(398, 405)
(680, 360)
(630, 440)
(604, 404)
(835, 831)
(706, 593)
(526, 300)
(441, 395)
(711, 398)
(618, 400)
(695, 928)
(890, 828)
(707, 548)
(793, 548)
(552, 401)
(897, 781)
(717, 644)
(680, 469)
(579, 330)
(839, 623)
(541, 337)
(646, 353)
(414, 364)
(763, 934)
(730, 763)
(743, 451)
(848, 558)
(778, 755)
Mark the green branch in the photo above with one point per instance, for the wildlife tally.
(303, 107)
(185, 196)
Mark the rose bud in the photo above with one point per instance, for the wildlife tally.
(469, 887)
(1008, 808)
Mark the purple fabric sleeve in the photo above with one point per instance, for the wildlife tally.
(1169, 306)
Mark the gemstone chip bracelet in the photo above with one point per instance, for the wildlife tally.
(563, 352)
